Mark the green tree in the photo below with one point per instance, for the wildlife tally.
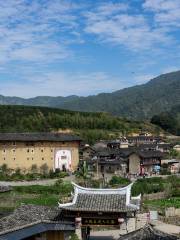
(82, 173)
(74, 236)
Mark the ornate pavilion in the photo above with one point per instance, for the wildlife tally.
(92, 206)
(89, 206)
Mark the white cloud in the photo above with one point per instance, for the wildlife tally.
(122, 28)
(35, 30)
(141, 79)
(170, 69)
(167, 12)
(62, 84)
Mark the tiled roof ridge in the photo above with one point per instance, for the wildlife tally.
(41, 136)
(22, 215)
(92, 193)
(147, 228)
(20, 227)
(84, 190)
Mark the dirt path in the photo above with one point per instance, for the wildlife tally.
(105, 235)
(167, 228)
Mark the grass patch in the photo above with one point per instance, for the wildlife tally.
(36, 194)
(164, 203)
(44, 200)
(63, 188)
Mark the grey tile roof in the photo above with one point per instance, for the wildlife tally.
(101, 200)
(147, 233)
(29, 215)
(100, 203)
(150, 154)
(39, 136)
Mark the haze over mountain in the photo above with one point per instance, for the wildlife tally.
(139, 102)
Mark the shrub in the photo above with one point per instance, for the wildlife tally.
(147, 186)
(44, 169)
(116, 180)
(4, 168)
(58, 182)
(74, 236)
(34, 168)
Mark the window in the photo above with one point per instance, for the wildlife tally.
(29, 144)
(4, 151)
(14, 159)
(51, 150)
(42, 158)
(27, 158)
(32, 158)
(13, 150)
(28, 150)
(14, 143)
(32, 150)
(63, 157)
(42, 150)
(4, 159)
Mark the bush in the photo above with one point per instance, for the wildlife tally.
(74, 236)
(147, 186)
(44, 169)
(116, 180)
(175, 185)
(34, 168)
(63, 174)
(95, 183)
(58, 182)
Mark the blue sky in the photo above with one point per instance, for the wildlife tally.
(60, 48)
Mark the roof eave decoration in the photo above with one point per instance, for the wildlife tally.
(120, 191)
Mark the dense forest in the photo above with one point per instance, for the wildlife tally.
(90, 126)
(169, 121)
(138, 102)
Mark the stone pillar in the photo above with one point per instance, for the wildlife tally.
(78, 227)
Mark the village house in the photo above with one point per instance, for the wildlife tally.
(173, 165)
(137, 140)
(148, 233)
(86, 152)
(141, 162)
(163, 147)
(118, 143)
(107, 161)
(177, 148)
(24, 150)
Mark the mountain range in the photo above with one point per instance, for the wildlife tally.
(138, 102)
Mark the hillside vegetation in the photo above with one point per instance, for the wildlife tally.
(138, 102)
(90, 126)
(169, 121)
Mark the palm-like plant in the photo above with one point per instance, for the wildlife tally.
(82, 173)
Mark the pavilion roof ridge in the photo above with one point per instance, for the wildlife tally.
(84, 190)
(92, 199)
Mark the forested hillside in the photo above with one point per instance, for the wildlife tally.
(138, 102)
(91, 126)
(169, 121)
